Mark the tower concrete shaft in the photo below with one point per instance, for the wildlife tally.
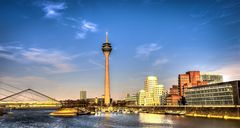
(107, 48)
(107, 80)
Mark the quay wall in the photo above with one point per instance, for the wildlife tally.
(231, 111)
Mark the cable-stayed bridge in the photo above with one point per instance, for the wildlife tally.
(16, 98)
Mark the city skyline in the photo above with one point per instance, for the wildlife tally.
(55, 46)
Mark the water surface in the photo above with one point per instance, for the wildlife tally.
(41, 119)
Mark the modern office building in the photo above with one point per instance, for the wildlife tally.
(152, 93)
(163, 98)
(183, 80)
(149, 84)
(83, 95)
(141, 97)
(131, 99)
(127, 97)
(194, 77)
(189, 79)
(211, 78)
(148, 101)
(158, 91)
(173, 99)
(174, 90)
(225, 93)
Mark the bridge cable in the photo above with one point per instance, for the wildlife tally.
(11, 85)
(38, 95)
(15, 93)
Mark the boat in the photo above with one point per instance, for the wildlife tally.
(84, 113)
(10, 112)
(64, 112)
(92, 113)
(136, 112)
(175, 112)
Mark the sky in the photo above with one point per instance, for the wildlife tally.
(54, 47)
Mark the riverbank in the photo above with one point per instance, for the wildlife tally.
(206, 111)
(199, 115)
(213, 116)
(1, 112)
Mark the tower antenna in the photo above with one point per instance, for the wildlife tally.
(106, 37)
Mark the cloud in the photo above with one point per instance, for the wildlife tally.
(232, 5)
(10, 53)
(146, 49)
(82, 27)
(99, 65)
(89, 26)
(85, 27)
(233, 22)
(55, 61)
(80, 35)
(229, 72)
(55, 88)
(53, 10)
(88, 54)
(43, 85)
(52, 61)
(72, 19)
(160, 61)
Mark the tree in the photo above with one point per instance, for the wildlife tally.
(183, 101)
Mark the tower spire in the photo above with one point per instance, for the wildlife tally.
(106, 37)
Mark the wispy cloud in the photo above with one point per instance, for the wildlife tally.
(160, 61)
(53, 10)
(52, 61)
(99, 65)
(146, 49)
(85, 27)
(87, 54)
(233, 22)
(48, 60)
(80, 35)
(81, 26)
(52, 88)
(89, 26)
(71, 19)
(229, 72)
(10, 52)
(56, 61)
(232, 5)
(199, 14)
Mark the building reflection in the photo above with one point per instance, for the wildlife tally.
(107, 115)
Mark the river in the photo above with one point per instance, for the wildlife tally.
(41, 119)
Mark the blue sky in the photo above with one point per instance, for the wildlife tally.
(55, 46)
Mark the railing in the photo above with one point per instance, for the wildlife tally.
(30, 104)
(230, 106)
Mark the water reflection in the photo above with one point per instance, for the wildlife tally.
(154, 119)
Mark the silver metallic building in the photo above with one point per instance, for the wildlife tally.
(225, 93)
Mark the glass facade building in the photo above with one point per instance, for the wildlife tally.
(225, 93)
(83, 95)
(211, 78)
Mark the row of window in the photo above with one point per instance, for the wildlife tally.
(211, 103)
(210, 87)
(211, 98)
(210, 94)
(220, 89)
